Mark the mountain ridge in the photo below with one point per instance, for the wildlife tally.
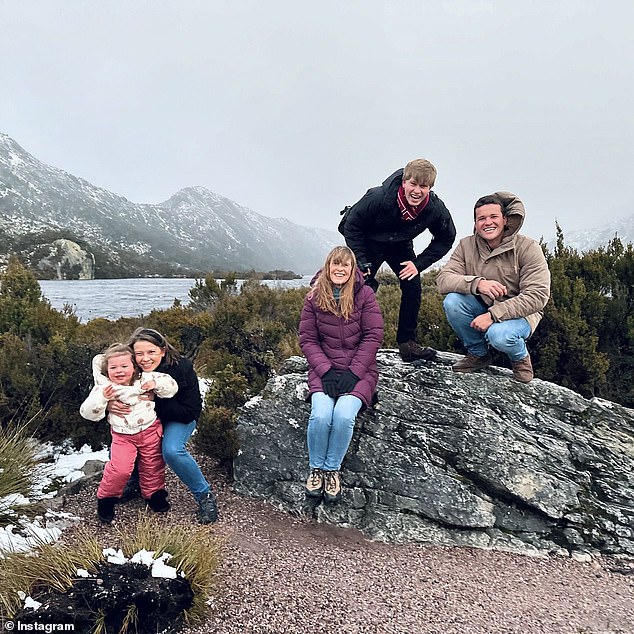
(195, 229)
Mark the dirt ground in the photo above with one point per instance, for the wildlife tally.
(284, 575)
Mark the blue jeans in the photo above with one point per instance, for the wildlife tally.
(507, 336)
(175, 454)
(330, 428)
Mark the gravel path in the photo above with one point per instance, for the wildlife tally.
(287, 575)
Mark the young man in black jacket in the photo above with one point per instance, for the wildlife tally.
(381, 227)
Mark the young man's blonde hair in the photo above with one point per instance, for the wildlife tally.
(323, 291)
(422, 171)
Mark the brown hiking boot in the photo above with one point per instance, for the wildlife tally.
(332, 487)
(523, 370)
(470, 363)
(315, 484)
(411, 351)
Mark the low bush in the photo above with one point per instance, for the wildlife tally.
(17, 460)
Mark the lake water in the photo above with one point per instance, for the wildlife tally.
(128, 298)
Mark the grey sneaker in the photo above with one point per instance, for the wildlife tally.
(470, 363)
(523, 370)
(207, 508)
(332, 487)
(315, 484)
(411, 351)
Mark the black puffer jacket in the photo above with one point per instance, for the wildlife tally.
(185, 406)
(376, 218)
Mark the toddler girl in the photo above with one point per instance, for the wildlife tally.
(135, 435)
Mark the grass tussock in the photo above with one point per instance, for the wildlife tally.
(46, 566)
(195, 551)
(17, 461)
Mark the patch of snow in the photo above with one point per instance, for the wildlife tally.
(143, 556)
(603, 403)
(252, 402)
(29, 537)
(161, 569)
(114, 556)
(158, 565)
(203, 386)
(8, 502)
(279, 383)
(65, 466)
(29, 602)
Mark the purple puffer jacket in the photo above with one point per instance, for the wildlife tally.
(329, 341)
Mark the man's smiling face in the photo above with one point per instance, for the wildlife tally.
(415, 193)
(490, 224)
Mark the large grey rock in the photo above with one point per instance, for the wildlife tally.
(456, 459)
(65, 260)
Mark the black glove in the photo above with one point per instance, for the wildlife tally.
(346, 382)
(365, 268)
(329, 383)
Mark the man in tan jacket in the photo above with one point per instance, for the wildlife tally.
(497, 284)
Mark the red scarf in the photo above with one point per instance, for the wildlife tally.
(408, 212)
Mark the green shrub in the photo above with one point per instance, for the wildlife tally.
(18, 460)
(216, 431)
(216, 434)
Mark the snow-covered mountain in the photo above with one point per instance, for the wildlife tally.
(195, 230)
(587, 239)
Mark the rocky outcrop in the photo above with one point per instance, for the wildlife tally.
(65, 260)
(456, 459)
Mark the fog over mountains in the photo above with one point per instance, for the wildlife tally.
(64, 227)
(196, 230)
(586, 239)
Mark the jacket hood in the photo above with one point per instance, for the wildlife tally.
(396, 176)
(391, 184)
(515, 214)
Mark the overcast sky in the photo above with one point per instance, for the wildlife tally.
(295, 108)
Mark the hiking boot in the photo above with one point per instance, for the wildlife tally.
(158, 501)
(207, 508)
(332, 487)
(315, 484)
(470, 363)
(523, 370)
(105, 509)
(411, 351)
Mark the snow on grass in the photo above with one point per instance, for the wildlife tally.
(62, 464)
(59, 466)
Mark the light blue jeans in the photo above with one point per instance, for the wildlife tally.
(330, 428)
(176, 456)
(507, 336)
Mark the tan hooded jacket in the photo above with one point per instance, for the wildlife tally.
(518, 263)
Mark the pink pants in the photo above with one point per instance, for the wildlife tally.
(123, 453)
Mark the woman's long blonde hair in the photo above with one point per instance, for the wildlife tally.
(323, 290)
